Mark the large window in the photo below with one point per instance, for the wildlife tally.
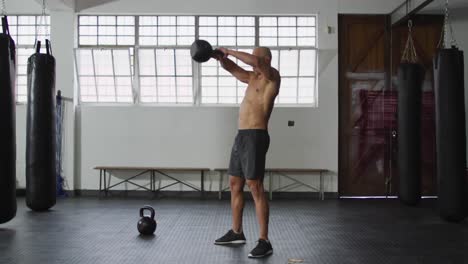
(166, 30)
(165, 76)
(228, 31)
(217, 85)
(107, 30)
(293, 41)
(105, 75)
(288, 31)
(165, 67)
(24, 31)
(160, 68)
(105, 60)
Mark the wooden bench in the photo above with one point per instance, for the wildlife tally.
(105, 177)
(282, 172)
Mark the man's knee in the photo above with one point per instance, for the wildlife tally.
(236, 184)
(255, 186)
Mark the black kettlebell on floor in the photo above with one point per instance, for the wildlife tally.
(147, 224)
(201, 51)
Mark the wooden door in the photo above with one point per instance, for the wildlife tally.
(364, 136)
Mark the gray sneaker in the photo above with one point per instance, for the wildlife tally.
(262, 249)
(231, 237)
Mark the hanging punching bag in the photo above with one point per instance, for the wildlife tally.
(7, 125)
(410, 80)
(450, 133)
(41, 131)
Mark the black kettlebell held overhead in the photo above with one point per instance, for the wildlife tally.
(147, 224)
(202, 51)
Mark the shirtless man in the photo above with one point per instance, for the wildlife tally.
(247, 164)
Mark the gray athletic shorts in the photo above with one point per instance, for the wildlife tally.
(249, 153)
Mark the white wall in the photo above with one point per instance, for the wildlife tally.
(63, 41)
(196, 137)
(22, 7)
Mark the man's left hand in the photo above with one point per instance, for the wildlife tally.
(224, 51)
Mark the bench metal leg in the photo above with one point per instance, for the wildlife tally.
(108, 183)
(202, 183)
(109, 180)
(100, 182)
(159, 181)
(151, 182)
(153, 174)
(105, 182)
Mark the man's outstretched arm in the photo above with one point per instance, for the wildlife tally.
(241, 74)
(247, 58)
(251, 60)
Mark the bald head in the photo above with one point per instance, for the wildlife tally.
(262, 52)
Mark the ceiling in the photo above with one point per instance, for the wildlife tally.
(438, 6)
(75, 5)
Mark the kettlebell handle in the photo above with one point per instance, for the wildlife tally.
(149, 208)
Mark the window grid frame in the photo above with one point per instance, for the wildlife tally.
(298, 75)
(236, 26)
(315, 44)
(197, 74)
(156, 76)
(158, 28)
(114, 76)
(116, 35)
(41, 23)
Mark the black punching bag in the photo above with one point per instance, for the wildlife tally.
(41, 131)
(410, 79)
(7, 125)
(450, 132)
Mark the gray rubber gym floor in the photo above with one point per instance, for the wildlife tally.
(91, 230)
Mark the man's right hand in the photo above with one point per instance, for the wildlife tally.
(224, 51)
(217, 55)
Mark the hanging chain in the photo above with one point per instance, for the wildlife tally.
(43, 26)
(453, 41)
(409, 54)
(444, 39)
(446, 24)
(45, 19)
(3, 8)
